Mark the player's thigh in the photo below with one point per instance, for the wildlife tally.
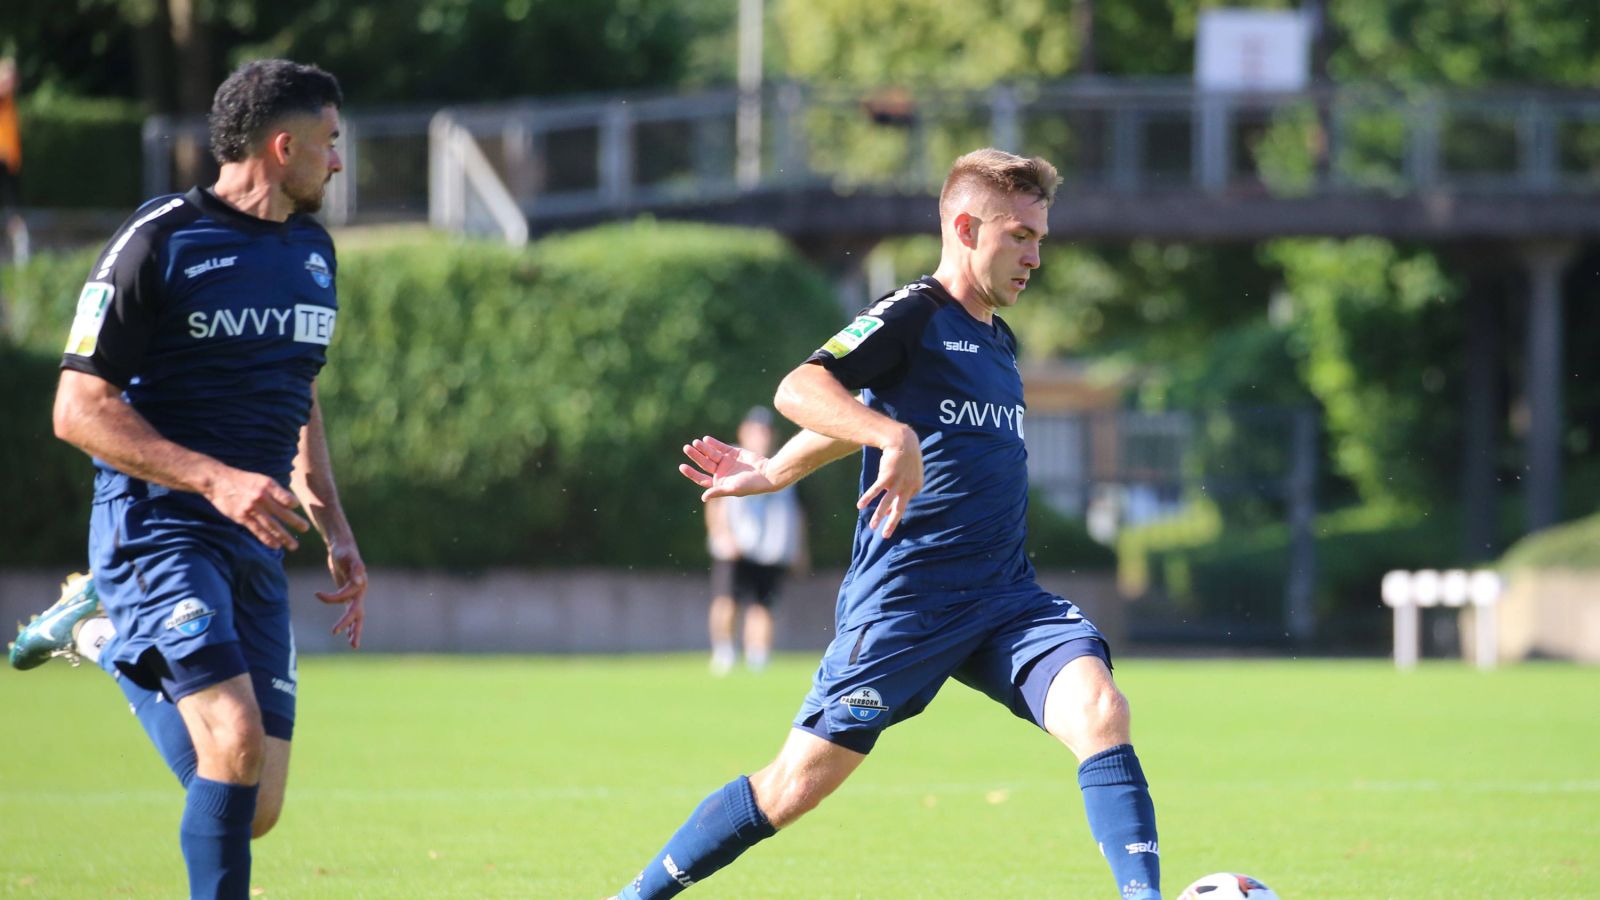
(1085, 710)
(274, 785)
(1036, 635)
(266, 636)
(166, 583)
(807, 769)
(885, 671)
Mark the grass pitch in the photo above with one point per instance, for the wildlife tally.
(556, 778)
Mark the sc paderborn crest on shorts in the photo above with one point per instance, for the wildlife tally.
(191, 617)
(318, 267)
(864, 704)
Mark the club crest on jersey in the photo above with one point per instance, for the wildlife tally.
(191, 617)
(864, 704)
(318, 267)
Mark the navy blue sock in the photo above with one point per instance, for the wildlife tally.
(1123, 820)
(165, 727)
(724, 825)
(215, 835)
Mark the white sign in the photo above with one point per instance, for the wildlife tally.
(1252, 50)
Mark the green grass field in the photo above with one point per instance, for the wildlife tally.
(556, 778)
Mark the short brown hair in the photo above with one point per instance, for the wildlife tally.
(1002, 172)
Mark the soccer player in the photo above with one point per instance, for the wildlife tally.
(754, 541)
(190, 377)
(939, 585)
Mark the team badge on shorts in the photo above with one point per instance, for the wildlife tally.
(318, 267)
(864, 704)
(190, 618)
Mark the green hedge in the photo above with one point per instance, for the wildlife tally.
(81, 152)
(488, 406)
(1241, 575)
(496, 407)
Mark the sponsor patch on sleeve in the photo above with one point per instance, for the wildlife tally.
(93, 304)
(851, 336)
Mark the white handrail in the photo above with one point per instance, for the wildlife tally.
(458, 172)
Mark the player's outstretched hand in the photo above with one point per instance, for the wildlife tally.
(899, 479)
(350, 588)
(260, 504)
(725, 470)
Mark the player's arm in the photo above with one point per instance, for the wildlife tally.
(813, 398)
(725, 470)
(91, 415)
(313, 484)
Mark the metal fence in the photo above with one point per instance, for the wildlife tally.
(626, 152)
(1121, 469)
(385, 154)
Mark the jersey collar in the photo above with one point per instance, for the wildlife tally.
(218, 209)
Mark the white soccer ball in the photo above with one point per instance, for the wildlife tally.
(1227, 886)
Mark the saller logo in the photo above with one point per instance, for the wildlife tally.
(864, 704)
(220, 262)
(678, 875)
(1143, 847)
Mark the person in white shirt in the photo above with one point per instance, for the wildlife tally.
(754, 542)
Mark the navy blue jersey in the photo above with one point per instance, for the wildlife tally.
(920, 358)
(214, 323)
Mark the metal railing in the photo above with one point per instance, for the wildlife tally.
(385, 154)
(628, 152)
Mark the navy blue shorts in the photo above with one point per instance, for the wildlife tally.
(195, 598)
(887, 670)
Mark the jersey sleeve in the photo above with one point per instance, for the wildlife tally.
(874, 350)
(117, 307)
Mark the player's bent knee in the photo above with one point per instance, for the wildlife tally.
(1092, 721)
(236, 747)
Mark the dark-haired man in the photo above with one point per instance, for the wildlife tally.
(190, 378)
(939, 585)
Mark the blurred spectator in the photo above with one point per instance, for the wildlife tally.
(754, 541)
(11, 163)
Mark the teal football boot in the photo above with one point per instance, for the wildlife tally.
(50, 632)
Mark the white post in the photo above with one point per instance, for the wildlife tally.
(1485, 591)
(1408, 592)
(747, 121)
(1397, 596)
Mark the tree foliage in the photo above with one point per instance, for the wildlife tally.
(1381, 332)
(923, 43)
